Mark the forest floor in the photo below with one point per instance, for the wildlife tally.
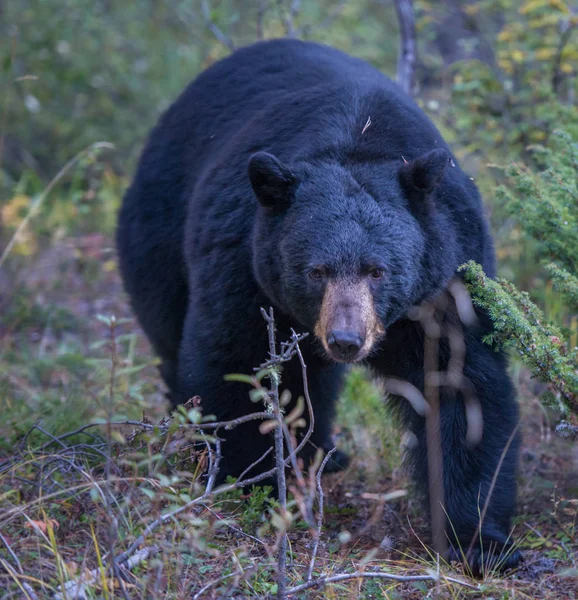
(67, 502)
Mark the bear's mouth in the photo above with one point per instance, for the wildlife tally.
(346, 356)
(349, 352)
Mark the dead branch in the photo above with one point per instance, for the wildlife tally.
(253, 465)
(236, 529)
(214, 28)
(407, 45)
(325, 581)
(565, 30)
(288, 16)
(279, 453)
(209, 585)
(320, 497)
(262, 9)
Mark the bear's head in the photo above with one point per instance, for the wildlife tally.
(347, 249)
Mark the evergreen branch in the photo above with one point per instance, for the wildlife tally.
(520, 325)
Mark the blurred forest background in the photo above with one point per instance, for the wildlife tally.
(82, 83)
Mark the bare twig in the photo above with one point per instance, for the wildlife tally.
(463, 302)
(214, 28)
(214, 460)
(320, 497)
(307, 435)
(288, 16)
(565, 30)
(262, 9)
(11, 552)
(279, 454)
(253, 465)
(288, 351)
(235, 529)
(324, 581)
(214, 582)
(407, 45)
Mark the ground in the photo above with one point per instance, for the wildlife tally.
(64, 364)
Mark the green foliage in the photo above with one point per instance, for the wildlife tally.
(520, 325)
(545, 204)
(59, 382)
(544, 201)
(76, 72)
(565, 283)
(526, 87)
(367, 427)
(510, 82)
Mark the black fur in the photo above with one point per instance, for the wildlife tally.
(264, 168)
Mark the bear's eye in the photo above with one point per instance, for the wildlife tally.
(316, 274)
(376, 272)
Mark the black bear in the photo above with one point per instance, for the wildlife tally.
(293, 175)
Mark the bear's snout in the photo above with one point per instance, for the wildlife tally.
(348, 326)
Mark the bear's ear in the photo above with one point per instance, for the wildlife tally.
(272, 181)
(425, 172)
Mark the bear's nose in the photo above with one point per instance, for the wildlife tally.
(344, 344)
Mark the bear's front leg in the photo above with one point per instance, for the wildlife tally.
(479, 479)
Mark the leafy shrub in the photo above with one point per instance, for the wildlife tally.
(545, 202)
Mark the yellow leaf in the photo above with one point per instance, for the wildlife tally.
(14, 210)
(532, 6)
(566, 68)
(545, 53)
(471, 9)
(561, 6)
(506, 66)
(110, 177)
(26, 244)
(518, 56)
(109, 265)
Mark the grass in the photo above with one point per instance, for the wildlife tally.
(67, 503)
